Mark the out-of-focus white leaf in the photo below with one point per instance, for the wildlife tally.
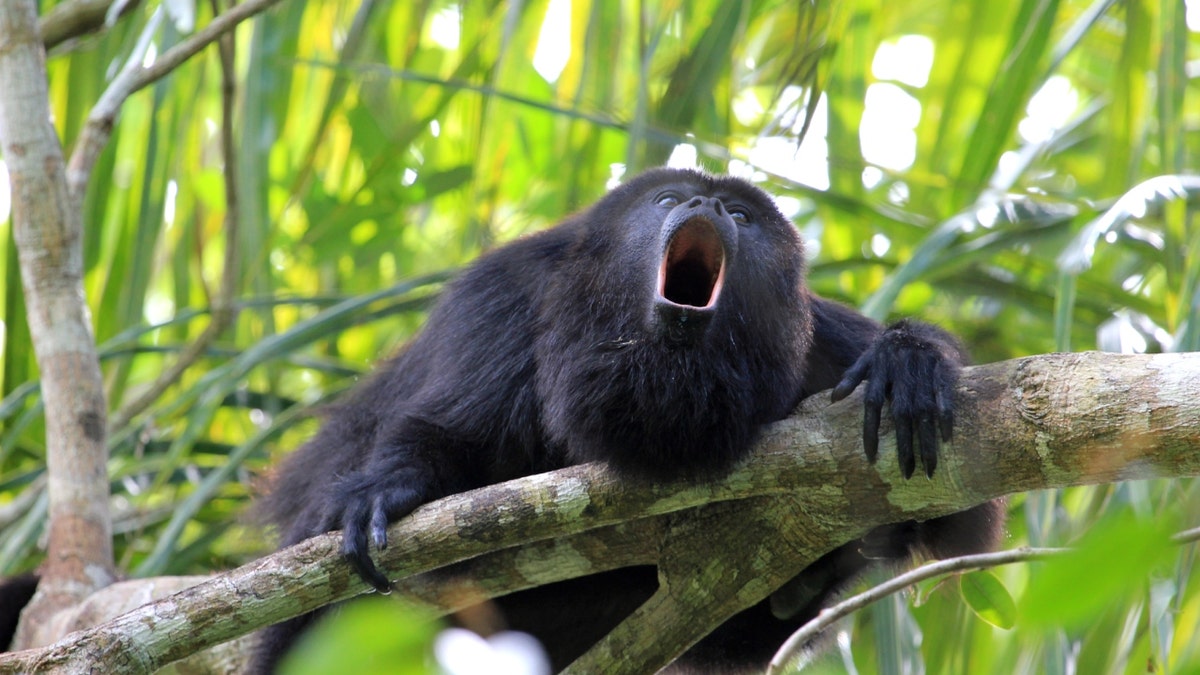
(1135, 203)
(182, 14)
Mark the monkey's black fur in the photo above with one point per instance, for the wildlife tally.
(657, 331)
(15, 593)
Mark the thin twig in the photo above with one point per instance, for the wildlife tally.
(790, 650)
(75, 18)
(1187, 536)
(830, 615)
(224, 311)
(136, 76)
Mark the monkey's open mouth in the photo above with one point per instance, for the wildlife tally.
(692, 270)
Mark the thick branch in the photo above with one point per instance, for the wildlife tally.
(48, 231)
(1042, 422)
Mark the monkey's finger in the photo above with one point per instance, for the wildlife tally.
(354, 549)
(945, 417)
(379, 523)
(366, 569)
(369, 573)
(904, 445)
(927, 439)
(873, 400)
(354, 538)
(389, 505)
(871, 432)
(853, 377)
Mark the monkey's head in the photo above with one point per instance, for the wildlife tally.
(676, 325)
(697, 250)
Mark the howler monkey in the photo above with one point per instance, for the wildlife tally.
(657, 331)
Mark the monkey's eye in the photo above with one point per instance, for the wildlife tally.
(668, 199)
(739, 215)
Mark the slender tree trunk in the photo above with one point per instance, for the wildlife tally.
(48, 232)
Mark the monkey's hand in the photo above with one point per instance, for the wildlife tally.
(370, 499)
(916, 367)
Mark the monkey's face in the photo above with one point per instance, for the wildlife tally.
(697, 241)
(700, 250)
(675, 323)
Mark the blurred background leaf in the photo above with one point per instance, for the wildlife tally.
(1022, 173)
(376, 636)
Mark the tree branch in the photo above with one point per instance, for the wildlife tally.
(72, 19)
(48, 231)
(135, 76)
(1042, 422)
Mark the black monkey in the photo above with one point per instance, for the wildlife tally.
(658, 331)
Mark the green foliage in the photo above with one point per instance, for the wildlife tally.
(1110, 562)
(987, 596)
(377, 635)
(999, 190)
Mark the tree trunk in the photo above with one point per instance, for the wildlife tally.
(48, 232)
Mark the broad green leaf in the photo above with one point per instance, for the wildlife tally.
(987, 596)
